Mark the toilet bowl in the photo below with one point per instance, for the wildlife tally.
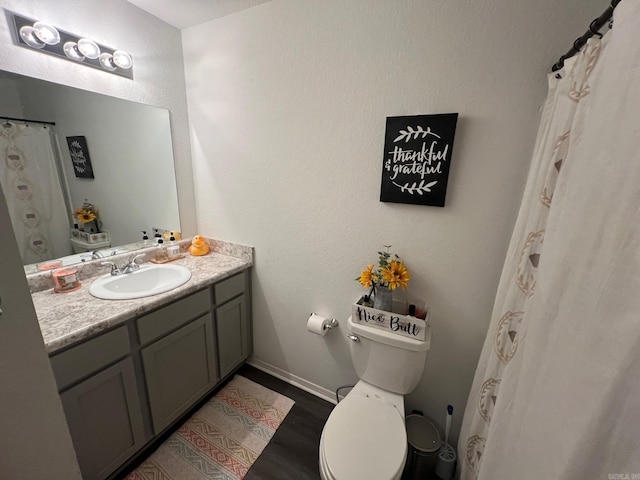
(364, 437)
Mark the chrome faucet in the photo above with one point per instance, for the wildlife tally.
(132, 266)
(115, 270)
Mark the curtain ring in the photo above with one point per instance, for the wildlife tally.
(592, 29)
(559, 64)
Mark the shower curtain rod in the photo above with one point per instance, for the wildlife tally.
(26, 120)
(594, 27)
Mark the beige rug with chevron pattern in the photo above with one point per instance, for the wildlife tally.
(221, 440)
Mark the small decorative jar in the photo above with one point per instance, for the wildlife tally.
(65, 279)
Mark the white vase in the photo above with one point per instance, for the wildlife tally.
(383, 299)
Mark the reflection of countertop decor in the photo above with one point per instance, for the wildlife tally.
(88, 237)
(382, 280)
(88, 218)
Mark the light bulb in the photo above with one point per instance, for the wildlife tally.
(88, 48)
(28, 36)
(122, 59)
(72, 52)
(106, 60)
(46, 33)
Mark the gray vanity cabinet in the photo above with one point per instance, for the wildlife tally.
(126, 386)
(179, 370)
(101, 402)
(233, 322)
(180, 366)
(234, 343)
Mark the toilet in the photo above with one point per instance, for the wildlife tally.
(365, 437)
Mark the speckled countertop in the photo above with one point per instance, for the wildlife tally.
(66, 318)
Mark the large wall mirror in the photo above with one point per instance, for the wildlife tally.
(46, 176)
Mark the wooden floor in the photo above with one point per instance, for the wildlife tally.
(292, 453)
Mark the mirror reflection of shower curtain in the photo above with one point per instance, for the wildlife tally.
(32, 188)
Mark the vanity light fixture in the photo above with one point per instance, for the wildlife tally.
(71, 51)
(46, 33)
(44, 37)
(88, 48)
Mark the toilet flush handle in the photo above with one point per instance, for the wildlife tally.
(355, 338)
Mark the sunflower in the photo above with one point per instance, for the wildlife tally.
(395, 274)
(368, 277)
(85, 216)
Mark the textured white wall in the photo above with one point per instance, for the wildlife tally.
(156, 48)
(287, 105)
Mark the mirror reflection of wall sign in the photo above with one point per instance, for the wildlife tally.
(80, 157)
(417, 156)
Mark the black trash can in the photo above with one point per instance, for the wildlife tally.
(422, 452)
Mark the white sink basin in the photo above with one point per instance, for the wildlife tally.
(149, 280)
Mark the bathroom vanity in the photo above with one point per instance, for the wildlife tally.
(127, 370)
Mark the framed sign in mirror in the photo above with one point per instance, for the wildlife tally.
(80, 158)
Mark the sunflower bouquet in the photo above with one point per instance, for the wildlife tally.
(390, 273)
(87, 215)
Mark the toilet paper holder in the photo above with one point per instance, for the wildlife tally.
(332, 323)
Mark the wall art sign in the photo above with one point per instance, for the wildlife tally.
(80, 157)
(417, 156)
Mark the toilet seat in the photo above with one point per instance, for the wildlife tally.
(363, 439)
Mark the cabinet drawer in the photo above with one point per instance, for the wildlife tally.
(229, 288)
(90, 356)
(166, 319)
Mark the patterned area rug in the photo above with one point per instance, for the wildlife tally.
(221, 440)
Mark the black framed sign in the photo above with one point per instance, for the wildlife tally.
(417, 156)
(80, 157)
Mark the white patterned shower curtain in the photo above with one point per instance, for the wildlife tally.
(33, 192)
(556, 395)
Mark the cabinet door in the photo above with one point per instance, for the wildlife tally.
(103, 414)
(179, 369)
(234, 342)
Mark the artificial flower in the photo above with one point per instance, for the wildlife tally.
(390, 273)
(395, 274)
(367, 278)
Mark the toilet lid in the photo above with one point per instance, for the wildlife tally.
(364, 439)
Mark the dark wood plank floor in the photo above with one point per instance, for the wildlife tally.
(292, 453)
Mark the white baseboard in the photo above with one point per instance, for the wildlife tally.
(294, 380)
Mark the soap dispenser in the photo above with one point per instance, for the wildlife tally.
(161, 252)
(173, 249)
(145, 238)
(156, 237)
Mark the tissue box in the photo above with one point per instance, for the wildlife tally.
(391, 322)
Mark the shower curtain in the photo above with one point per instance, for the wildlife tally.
(33, 192)
(556, 394)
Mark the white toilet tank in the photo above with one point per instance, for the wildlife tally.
(388, 360)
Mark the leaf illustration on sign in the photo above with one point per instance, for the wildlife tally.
(406, 134)
(417, 189)
(417, 157)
